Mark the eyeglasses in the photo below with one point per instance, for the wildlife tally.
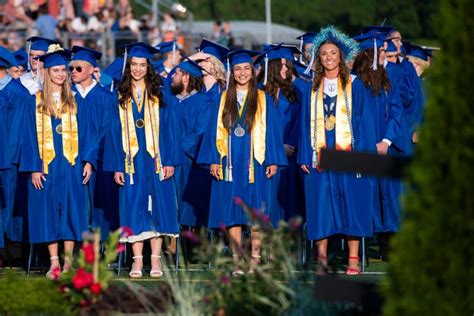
(78, 68)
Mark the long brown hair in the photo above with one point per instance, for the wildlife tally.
(377, 80)
(344, 72)
(67, 98)
(153, 83)
(230, 112)
(275, 82)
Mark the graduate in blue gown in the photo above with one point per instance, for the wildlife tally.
(193, 109)
(59, 151)
(334, 116)
(386, 103)
(143, 148)
(287, 184)
(244, 150)
(114, 71)
(13, 103)
(90, 95)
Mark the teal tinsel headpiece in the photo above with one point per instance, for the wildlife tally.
(333, 35)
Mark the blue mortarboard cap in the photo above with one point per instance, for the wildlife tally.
(417, 51)
(40, 43)
(213, 49)
(269, 51)
(141, 50)
(114, 70)
(375, 29)
(56, 58)
(21, 58)
(288, 51)
(369, 40)
(158, 66)
(239, 56)
(391, 48)
(190, 67)
(86, 54)
(307, 37)
(165, 47)
(7, 59)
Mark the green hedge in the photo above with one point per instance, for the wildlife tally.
(432, 267)
(20, 295)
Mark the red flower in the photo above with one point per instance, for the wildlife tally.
(125, 232)
(84, 303)
(82, 279)
(56, 273)
(89, 253)
(225, 280)
(95, 288)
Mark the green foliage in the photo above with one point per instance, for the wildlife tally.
(20, 295)
(432, 266)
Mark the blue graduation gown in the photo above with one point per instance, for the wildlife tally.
(223, 210)
(14, 101)
(134, 200)
(62, 209)
(339, 203)
(193, 183)
(104, 192)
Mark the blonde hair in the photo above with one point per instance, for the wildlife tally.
(67, 98)
(423, 64)
(218, 70)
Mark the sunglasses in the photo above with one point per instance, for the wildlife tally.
(78, 68)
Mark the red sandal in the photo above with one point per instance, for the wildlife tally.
(351, 270)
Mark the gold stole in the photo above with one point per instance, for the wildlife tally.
(44, 134)
(258, 135)
(152, 134)
(343, 120)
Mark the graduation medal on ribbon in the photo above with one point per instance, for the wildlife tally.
(140, 123)
(59, 129)
(239, 131)
(330, 122)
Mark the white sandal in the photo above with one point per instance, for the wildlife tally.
(50, 272)
(256, 261)
(156, 273)
(136, 274)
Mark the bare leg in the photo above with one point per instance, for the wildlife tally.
(322, 259)
(353, 267)
(137, 248)
(256, 244)
(156, 244)
(68, 250)
(53, 254)
(235, 238)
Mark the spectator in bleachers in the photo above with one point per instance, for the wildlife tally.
(46, 24)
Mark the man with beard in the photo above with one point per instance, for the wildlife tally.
(193, 108)
(99, 102)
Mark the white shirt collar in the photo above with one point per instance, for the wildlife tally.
(84, 91)
(330, 87)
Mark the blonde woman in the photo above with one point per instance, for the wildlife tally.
(56, 151)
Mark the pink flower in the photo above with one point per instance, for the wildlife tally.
(191, 236)
(265, 218)
(95, 288)
(63, 288)
(238, 201)
(120, 247)
(84, 303)
(82, 279)
(224, 279)
(88, 250)
(223, 227)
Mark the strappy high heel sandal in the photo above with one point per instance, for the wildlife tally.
(351, 270)
(136, 274)
(254, 261)
(238, 272)
(67, 264)
(156, 273)
(53, 273)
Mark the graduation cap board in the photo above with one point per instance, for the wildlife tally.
(363, 163)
